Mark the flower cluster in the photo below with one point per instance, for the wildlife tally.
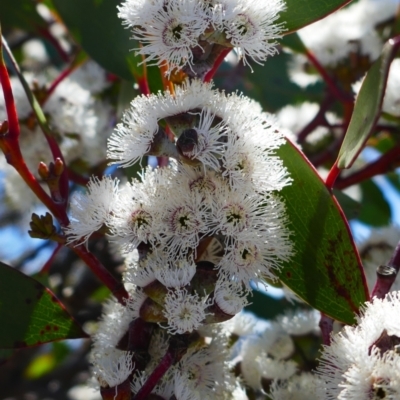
(363, 361)
(215, 209)
(351, 39)
(197, 232)
(190, 34)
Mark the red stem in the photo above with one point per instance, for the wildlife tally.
(143, 85)
(166, 362)
(10, 145)
(385, 281)
(116, 287)
(58, 80)
(326, 326)
(384, 164)
(48, 35)
(13, 122)
(342, 97)
(216, 65)
(331, 178)
(318, 120)
(55, 149)
(49, 262)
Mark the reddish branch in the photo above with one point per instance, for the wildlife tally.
(49, 262)
(386, 275)
(216, 65)
(55, 149)
(58, 80)
(45, 32)
(386, 163)
(318, 120)
(326, 326)
(332, 176)
(342, 97)
(166, 362)
(9, 143)
(116, 287)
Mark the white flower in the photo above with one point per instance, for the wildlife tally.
(136, 215)
(230, 297)
(299, 322)
(136, 299)
(176, 274)
(70, 107)
(132, 138)
(89, 212)
(200, 180)
(351, 29)
(91, 77)
(249, 26)
(203, 374)
(185, 220)
(140, 273)
(297, 387)
(247, 154)
(113, 325)
(256, 363)
(112, 367)
(242, 324)
(168, 30)
(362, 360)
(185, 312)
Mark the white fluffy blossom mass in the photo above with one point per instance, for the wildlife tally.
(195, 233)
(363, 361)
(215, 205)
(192, 33)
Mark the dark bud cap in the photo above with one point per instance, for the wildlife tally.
(187, 142)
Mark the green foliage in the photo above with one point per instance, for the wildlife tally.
(325, 270)
(21, 14)
(300, 13)
(375, 210)
(367, 108)
(105, 39)
(30, 314)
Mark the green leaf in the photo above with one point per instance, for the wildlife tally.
(294, 43)
(367, 108)
(20, 14)
(30, 314)
(325, 270)
(94, 24)
(375, 209)
(350, 207)
(300, 13)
